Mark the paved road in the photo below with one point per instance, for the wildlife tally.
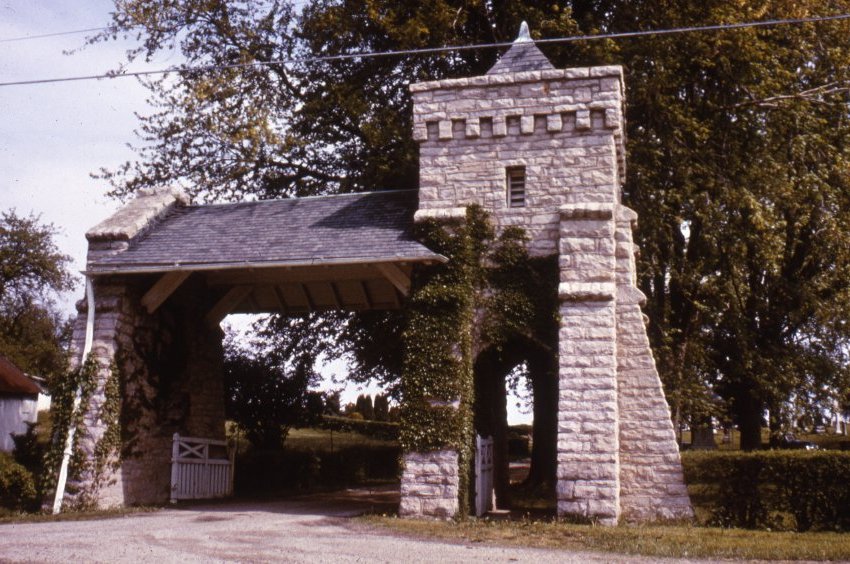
(313, 529)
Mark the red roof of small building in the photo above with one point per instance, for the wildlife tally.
(14, 381)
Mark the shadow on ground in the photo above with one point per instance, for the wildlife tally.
(382, 499)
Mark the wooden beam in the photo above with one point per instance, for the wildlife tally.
(163, 288)
(300, 274)
(225, 305)
(366, 299)
(395, 275)
(305, 294)
(335, 292)
(281, 300)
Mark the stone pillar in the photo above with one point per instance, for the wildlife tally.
(651, 481)
(437, 375)
(430, 484)
(588, 447)
(101, 487)
(169, 363)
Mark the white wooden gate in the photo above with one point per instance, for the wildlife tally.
(483, 474)
(195, 474)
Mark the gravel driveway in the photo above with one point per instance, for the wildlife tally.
(309, 529)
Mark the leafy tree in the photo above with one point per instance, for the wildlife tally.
(332, 406)
(382, 407)
(266, 397)
(364, 407)
(32, 272)
(738, 147)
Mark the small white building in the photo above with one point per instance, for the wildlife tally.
(18, 403)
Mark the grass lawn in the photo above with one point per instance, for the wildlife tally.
(325, 440)
(656, 540)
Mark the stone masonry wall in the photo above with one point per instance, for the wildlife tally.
(564, 126)
(588, 412)
(170, 363)
(172, 381)
(110, 322)
(429, 484)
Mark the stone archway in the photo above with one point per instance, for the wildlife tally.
(538, 149)
(492, 366)
(164, 273)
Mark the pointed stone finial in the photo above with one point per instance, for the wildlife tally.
(524, 35)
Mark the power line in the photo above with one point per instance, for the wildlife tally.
(55, 34)
(435, 50)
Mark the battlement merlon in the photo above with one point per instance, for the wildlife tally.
(583, 97)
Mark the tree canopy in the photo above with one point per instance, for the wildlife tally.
(267, 394)
(32, 273)
(737, 165)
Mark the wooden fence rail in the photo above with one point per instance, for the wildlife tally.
(196, 473)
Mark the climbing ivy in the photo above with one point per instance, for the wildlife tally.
(105, 456)
(437, 378)
(489, 291)
(522, 293)
(107, 450)
(63, 417)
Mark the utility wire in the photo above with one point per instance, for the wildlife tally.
(55, 34)
(436, 50)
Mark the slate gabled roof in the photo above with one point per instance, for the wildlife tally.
(14, 382)
(348, 228)
(522, 56)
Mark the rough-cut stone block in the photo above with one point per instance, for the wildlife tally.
(586, 291)
(500, 128)
(131, 219)
(583, 122)
(526, 125)
(473, 127)
(439, 213)
(587, 211)
(432, 479)
(445, 129)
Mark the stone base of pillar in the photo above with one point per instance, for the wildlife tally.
(429, 485)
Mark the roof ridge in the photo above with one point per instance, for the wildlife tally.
(316, 197)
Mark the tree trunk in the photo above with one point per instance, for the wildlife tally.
(491, 418)
(749, 419)
(774, 422)
(501, 462)
(544, 383)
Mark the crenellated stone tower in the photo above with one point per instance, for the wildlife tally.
(543, 149)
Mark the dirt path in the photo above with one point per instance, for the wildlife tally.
(317, 528)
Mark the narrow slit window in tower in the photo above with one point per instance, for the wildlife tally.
(515, 178)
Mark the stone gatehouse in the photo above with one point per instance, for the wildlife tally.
(535, 147)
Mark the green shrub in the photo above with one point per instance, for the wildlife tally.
(376, 429)
(795, 490)
(17, 486)
(519, 446)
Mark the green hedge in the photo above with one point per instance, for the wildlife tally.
(790, 490)
(17, 487)
(376, 429)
